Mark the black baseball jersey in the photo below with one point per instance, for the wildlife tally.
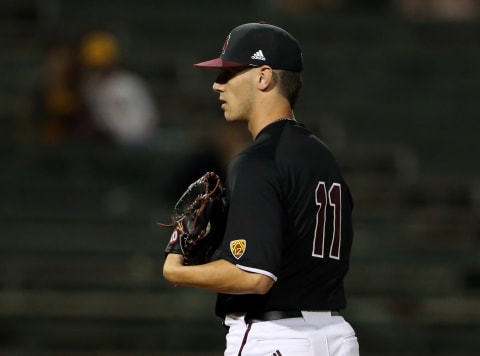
(290, 218)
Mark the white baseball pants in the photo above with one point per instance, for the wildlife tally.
(316, 334)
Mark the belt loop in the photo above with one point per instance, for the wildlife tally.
(312, 317)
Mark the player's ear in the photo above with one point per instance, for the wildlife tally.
(265, 77)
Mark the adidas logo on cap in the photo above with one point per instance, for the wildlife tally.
(259, 55)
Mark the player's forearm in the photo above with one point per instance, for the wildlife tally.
(219, 276)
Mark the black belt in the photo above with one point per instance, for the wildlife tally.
(276, 315)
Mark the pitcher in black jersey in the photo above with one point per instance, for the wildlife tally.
(289, 233)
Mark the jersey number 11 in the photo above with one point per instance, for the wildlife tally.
(332, 198)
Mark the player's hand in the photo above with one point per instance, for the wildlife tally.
(198, 221)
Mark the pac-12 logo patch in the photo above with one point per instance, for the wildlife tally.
(237, 247)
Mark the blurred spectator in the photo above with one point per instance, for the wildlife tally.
(56, 110)
(118, 100)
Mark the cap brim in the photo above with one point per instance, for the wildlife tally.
(219, 63)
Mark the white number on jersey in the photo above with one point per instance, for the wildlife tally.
(332, 197)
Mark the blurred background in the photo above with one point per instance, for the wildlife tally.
(104, 121)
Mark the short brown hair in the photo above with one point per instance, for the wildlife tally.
(289, 84)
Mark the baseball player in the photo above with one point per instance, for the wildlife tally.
(288, 235)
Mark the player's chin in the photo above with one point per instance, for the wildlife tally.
(228, 116)
(231, 118)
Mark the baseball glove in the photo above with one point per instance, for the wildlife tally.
(198, 220)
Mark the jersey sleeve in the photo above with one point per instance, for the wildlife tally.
(253, 235)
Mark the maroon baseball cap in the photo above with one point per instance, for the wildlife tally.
(257, 44)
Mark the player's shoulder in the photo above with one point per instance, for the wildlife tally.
(250, 160)
(297, 139)
(255, 161)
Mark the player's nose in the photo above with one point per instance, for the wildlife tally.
(217, 87)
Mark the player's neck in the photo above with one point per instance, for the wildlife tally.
(268, 107)
(258, 124)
